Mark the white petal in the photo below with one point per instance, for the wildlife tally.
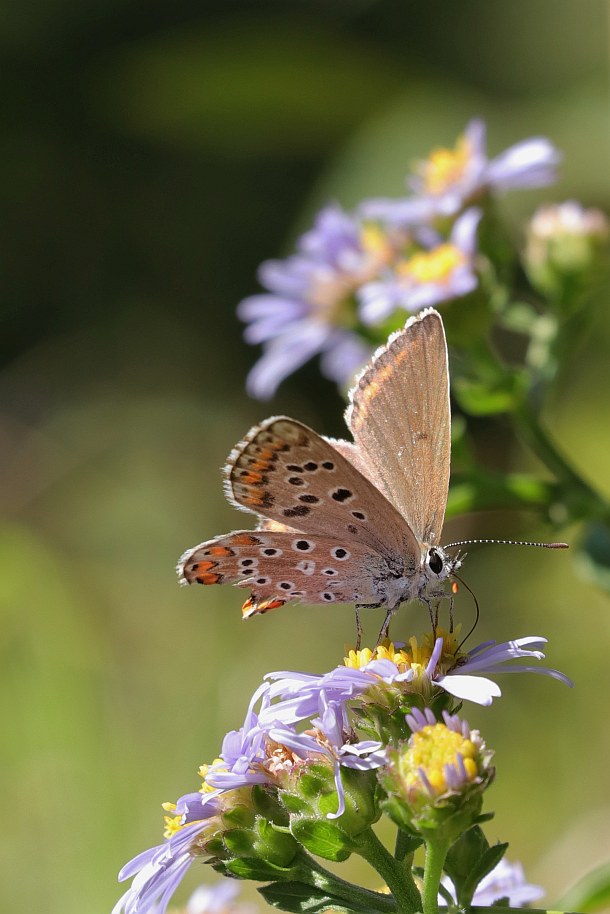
(472, 688)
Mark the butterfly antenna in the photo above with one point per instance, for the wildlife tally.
(476, 603)
(507, 543)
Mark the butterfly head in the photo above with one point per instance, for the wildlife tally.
(440, 566)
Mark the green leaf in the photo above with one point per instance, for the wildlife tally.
(239, 841)
(267, 805)
(488, 861)
(469, 859)
(481, 398)
(254, 868)
(323, 838)
(591, 893)
(297, 897)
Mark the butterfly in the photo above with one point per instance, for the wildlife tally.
(339, 521)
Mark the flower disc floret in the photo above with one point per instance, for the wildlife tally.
(436, 758)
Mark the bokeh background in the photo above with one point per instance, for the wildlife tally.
(151, 155)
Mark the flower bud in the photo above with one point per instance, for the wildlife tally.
(566, 249)
(435, 781)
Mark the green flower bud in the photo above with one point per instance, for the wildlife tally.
(566, 250)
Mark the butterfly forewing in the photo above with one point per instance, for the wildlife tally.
(401, 422)
(288, 566)
(286, 472)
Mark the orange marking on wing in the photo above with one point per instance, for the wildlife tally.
(252, 479)
(205, 566)
(246, 539)
(382, 374)
(220, 550)
(266, 455)
(260, 465)
(208, 578)
(253, 606)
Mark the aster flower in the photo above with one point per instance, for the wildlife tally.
(411, 669)
(450, 179)
(159, 870)
(427, 277)
(567, 248)
(435, 780)
(309, 308)
(506, 880)
(329, 739)
(220, 898)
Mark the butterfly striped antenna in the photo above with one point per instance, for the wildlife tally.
(507, 543)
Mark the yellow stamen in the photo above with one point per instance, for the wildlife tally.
(217, 765)
(413, 656)
(173, 824)
(445, 167)
(431, 749)
(437, 265)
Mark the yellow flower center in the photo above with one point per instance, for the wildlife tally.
(445, 167)
(430, 750)
(413, 656)
(437, 265)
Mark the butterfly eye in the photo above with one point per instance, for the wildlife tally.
(435, 562)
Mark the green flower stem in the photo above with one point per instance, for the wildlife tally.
(357, 898)
(582, 498)
(397, 877)
(403, 842)
(436, 852)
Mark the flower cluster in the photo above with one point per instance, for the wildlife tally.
(352, 272)
(335, 748)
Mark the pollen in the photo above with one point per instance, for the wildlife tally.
(217, 765)
(445, 167)
(172, 823)
(435, 266)
(433, 753)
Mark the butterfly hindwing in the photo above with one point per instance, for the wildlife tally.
(281, 567)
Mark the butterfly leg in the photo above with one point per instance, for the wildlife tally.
(385, 627)
(433, 613)
(358, 628)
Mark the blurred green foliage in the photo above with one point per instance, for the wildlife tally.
(152, 156)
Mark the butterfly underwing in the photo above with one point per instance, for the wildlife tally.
(346, 521)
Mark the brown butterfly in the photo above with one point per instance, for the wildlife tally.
(347, 522)
(344, 522)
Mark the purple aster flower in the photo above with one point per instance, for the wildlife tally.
(330, 740)
(427, 277)
(243, 751)
(450, 179)
(309, 308)
(220, 898)
(465, 682)
(159, 870)
(506, 880)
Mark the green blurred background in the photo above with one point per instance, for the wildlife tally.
(152, 155)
